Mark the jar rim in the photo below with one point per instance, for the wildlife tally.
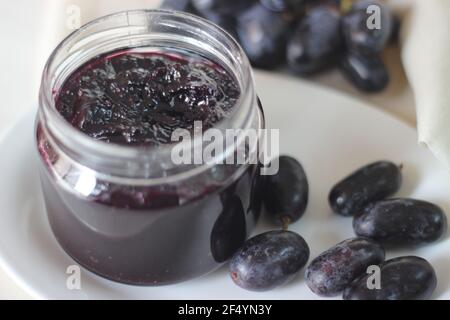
(61, 129)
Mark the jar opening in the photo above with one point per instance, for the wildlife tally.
(146, 30)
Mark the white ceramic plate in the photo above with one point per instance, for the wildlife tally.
(330, 133)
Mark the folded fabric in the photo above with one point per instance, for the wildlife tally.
(426, 59)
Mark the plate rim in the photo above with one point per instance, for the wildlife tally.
(35, 293)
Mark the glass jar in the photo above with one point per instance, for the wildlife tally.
(130, 213)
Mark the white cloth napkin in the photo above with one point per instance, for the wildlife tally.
(426, 59)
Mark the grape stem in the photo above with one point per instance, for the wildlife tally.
(286, 221)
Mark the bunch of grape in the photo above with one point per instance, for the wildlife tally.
(309, 36)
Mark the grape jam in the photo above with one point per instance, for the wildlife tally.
(157, 234)
(140, 98)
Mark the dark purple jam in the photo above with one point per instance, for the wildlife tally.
(159, 234)
(156, 246)
(140, 98)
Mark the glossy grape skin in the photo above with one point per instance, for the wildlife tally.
(221, 6)
(269, 260)
(225, 21)
(286, 193)
(332, 271)
(178, 5)
(263, 36)
(229, 231)
(314, 3)
(403, 278)
(373, 182)
(284, 5)
(316, 42)
(367, 73)
(358, 36)
(401, 222)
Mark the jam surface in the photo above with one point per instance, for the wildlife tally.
(140, 98)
